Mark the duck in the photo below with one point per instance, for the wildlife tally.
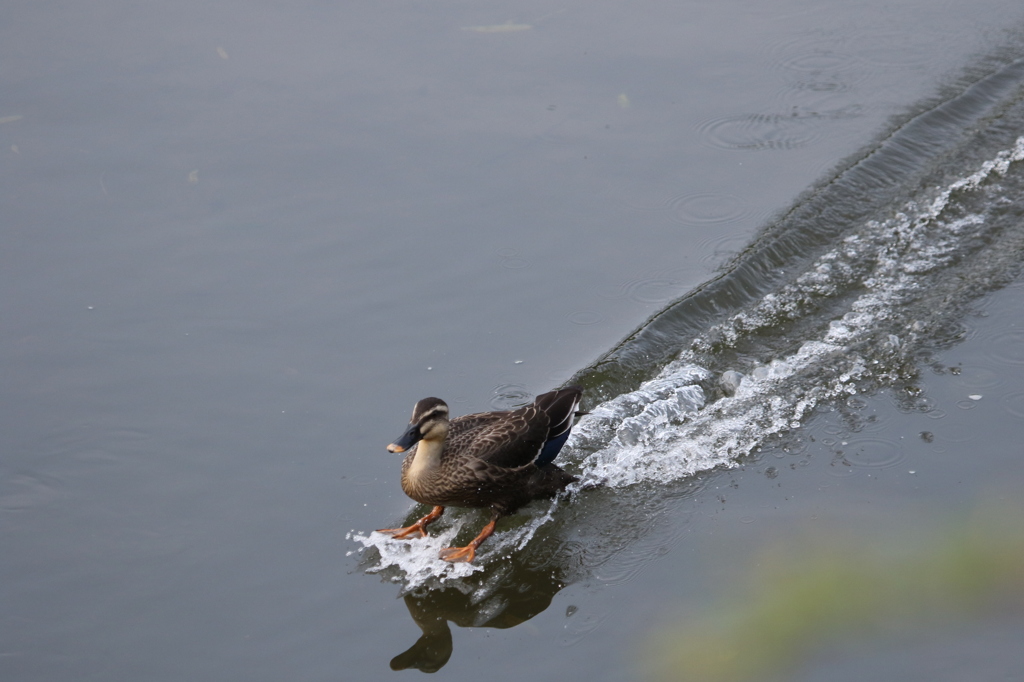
(495, 460)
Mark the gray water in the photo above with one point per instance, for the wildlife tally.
(241, 240)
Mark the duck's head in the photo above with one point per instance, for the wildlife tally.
(429, 422)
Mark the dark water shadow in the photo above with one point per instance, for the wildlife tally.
(518, 598)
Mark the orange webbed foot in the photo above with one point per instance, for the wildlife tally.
(403, 533)
(458, 554)
(420, 526)
(468, 553)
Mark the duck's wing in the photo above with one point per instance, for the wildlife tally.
(532, 434)
(502, 439)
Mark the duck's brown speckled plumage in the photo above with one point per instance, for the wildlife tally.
(497, 460)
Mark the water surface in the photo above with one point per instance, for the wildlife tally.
(242, 239)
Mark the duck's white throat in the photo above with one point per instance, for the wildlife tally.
(426, 460)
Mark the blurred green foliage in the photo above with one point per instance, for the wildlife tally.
(811, 593)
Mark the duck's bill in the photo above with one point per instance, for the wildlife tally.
(406, 440)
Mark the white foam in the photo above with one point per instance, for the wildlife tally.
(416, 563)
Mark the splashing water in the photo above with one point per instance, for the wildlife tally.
(665, 430)
(416, 564)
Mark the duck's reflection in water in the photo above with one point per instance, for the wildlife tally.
(515, 601)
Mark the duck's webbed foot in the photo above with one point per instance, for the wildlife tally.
(420, 526)
(468, 553)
